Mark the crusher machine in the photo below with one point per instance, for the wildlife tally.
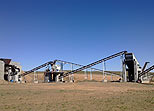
(130, 65)
(9, 70)
(131, 69)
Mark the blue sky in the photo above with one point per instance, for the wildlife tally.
(36, 31)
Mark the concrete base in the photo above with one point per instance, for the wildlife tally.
(104, 80)
(36, 82)
(146, 81)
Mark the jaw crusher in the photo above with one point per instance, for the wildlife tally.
(9, 70)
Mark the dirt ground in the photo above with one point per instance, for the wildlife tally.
(79, 96)
(77, 77)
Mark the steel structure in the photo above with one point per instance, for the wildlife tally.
(94, 63)
(133, 67)
(145, 65)
(39, 67)
(107, 72)
(146, 71)
(9, 70)
(135, 72)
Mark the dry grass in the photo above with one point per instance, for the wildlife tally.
(80, 96)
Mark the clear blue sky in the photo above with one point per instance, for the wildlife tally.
(36, 31)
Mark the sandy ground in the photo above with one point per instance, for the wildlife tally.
(79, 96)
(77, 77)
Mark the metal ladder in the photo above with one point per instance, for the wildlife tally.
(94, 63)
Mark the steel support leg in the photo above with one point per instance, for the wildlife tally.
(35, 77)
(105, 78)
(72, 75)
(103, 70)
(86, 77)
(124, 76)
(91, 74)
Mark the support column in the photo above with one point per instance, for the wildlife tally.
(86, 77)
(111, 78)
(105, 78)
(91, 76)
(135, 72)
(35, 77)
(60, 77)
(72, 73)
(124, 76)
(103, 70)
(70, 76)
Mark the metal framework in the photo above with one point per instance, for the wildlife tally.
(62, 62)
(94, 63)
(146, 71)
(39, 67)
(129, 61)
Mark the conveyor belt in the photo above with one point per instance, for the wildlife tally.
(95, 63)
(146, 71)
(106, 72)
(37, 68)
